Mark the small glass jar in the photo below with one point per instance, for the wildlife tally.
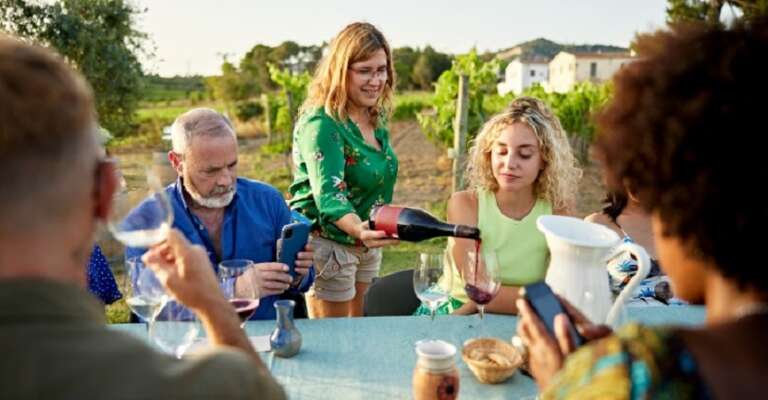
(435, 376)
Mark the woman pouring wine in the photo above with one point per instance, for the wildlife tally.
(345, 165)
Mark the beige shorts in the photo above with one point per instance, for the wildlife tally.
(339, 267)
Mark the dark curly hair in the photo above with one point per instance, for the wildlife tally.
(686, 129)
(614, 204)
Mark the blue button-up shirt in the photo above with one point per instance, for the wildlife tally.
(252, 224)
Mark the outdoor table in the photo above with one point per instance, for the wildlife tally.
(373, 357)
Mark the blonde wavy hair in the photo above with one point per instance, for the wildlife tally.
(356, 42)
(557, 182)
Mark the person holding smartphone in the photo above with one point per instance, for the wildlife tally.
(344, 165)
(231, 216)
(672, 132)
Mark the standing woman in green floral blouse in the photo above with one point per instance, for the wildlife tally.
(344, 166)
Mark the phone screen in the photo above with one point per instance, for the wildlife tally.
(547, 306)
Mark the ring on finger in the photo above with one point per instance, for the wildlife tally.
(520, 346)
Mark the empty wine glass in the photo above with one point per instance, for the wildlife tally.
(140, 218)
(175, 328)
(144, 293)
(430, 281)
(482, 277)
(239, 287)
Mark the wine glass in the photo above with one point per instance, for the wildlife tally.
(431, 282)
(140, 218)
(239, 287)
(145, 294)
(482, 277)
(175, 328)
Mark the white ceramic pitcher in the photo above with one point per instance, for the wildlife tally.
(577, 267)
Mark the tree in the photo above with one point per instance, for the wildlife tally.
(429, 65)
(711, 10)
(422, 73)
(230, 86)
(294, 87)
(253, 66)
(482, 83)
(98, 38)
(404, 59)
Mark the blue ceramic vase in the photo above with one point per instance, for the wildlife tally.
(285, 339)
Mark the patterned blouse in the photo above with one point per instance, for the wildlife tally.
(337, 173)
(101, 281)
(636, 363)
(654, 290)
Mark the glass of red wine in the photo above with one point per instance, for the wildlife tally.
(239, 285)
(482, 279)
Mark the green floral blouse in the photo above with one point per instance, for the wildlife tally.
(336, 172)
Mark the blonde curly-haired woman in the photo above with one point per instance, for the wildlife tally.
(520, 166)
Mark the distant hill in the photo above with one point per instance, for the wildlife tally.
(545, 48)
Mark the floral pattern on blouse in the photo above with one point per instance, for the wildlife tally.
(336, 172)
(637, 362)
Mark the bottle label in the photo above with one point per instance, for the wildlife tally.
(386, 219)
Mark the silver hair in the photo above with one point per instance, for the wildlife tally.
(199, 122)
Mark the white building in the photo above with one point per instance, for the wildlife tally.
(523, 72)
(567, 68)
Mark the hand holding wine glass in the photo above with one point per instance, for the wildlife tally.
(138, 218)
(431, 282)
(482, 277)
(239, 287)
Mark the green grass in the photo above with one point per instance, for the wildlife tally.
(415, 95)
(409, 104)
(118, 312)
(161, 112)
(164, 112)
(406, 255)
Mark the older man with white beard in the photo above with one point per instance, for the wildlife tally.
(233, 218)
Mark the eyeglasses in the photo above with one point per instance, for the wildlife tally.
(369, 74)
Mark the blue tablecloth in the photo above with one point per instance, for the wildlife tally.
(373, 358)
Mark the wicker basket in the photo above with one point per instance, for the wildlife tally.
(491, 360)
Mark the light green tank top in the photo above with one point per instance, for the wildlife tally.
(520, 246)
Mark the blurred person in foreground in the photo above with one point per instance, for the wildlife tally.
(683, 128)
(56, 188)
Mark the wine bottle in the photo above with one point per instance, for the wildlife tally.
(414, 225)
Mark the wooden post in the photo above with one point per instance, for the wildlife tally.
(460, 133)
(267, 116)
(289, 104)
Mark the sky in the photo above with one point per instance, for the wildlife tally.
(191, 37)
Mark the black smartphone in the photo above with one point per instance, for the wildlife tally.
(293, 238)
(547, 306)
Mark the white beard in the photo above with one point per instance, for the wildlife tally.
(216, 201)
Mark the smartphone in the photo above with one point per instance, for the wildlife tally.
(293, 239)
(547, 306)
